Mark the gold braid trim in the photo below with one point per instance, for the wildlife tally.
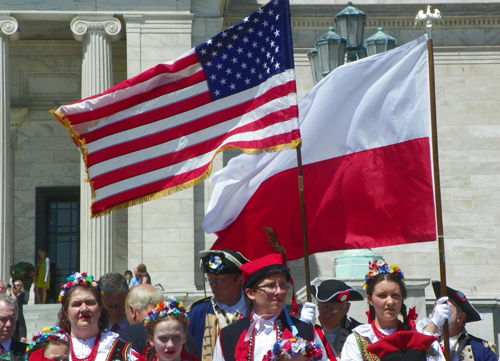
(363, 343)
(150, 197)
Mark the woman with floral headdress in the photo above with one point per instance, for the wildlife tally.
(386, 291)
(166, 327)
(49, 344)
(83, 315)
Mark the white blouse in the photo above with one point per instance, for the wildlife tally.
(83, 348)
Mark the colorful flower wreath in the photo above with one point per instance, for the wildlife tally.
(292, 348)
(78, 279)
(164, 309)
(379, 267)
(47, 334)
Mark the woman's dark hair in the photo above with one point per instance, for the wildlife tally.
(254, 279)
(390, 278)
(62, 315)
(128, 272)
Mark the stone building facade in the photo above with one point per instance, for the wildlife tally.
(55, 52)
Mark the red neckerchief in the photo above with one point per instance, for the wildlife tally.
(326, 344)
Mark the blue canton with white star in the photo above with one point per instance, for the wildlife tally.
(250, 52)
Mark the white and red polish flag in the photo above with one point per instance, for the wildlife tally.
(157, 133)
(366, 164)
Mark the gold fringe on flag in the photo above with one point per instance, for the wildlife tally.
(163, 193)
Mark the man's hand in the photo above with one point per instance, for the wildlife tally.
(308, 313)
(441, 312)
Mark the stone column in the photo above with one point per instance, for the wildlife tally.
(96, 235)
(8, 31)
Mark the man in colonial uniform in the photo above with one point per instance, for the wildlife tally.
(456, 308)
(210, 314)
(266, 284)
(333, 326)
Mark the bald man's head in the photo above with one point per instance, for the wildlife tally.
(140, 300)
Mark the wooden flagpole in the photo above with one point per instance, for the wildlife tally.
(304, 224)
(429, 17)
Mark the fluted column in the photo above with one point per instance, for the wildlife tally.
(8, 32)
(96, 235)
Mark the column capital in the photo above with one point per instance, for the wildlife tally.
(9, 27)
(81, 25)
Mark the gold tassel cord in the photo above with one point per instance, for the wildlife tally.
(157, 195)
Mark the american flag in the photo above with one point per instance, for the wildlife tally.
(157, 133)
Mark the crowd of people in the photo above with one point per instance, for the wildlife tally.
(246, 319)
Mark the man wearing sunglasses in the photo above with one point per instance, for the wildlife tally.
(334, 326)
(209, 315)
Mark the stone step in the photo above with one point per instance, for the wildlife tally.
(40, 316)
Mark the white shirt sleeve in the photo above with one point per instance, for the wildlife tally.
(218, 355)
(351, 351)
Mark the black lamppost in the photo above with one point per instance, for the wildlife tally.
(331, 50)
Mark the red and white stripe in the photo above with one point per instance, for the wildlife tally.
(158, 132)
(367, 166)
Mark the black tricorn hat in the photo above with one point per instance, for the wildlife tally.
(459, 298)
(335, 291)
(220, 262)
(403, 345)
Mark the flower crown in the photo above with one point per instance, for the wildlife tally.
(78, 279)
(164, 309)
(47, 334)
(292, 348)
(379, 267)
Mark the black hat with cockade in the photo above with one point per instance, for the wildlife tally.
(224, 261)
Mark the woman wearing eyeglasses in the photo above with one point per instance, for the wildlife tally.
(266, 284)
(17, 293)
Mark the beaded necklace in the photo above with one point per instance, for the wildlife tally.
(93, 353)
(279, 333)
(380, 335)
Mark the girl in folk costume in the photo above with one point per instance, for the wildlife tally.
(50, 344)
(166, 327)
(83, 315)
(386, 292)
(266, 284)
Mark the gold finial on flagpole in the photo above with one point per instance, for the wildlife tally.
(428, 17)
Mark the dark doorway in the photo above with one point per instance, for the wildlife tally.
(58, 232)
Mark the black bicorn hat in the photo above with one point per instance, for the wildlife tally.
(459, 298)
(335, 291)
(220, 262)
